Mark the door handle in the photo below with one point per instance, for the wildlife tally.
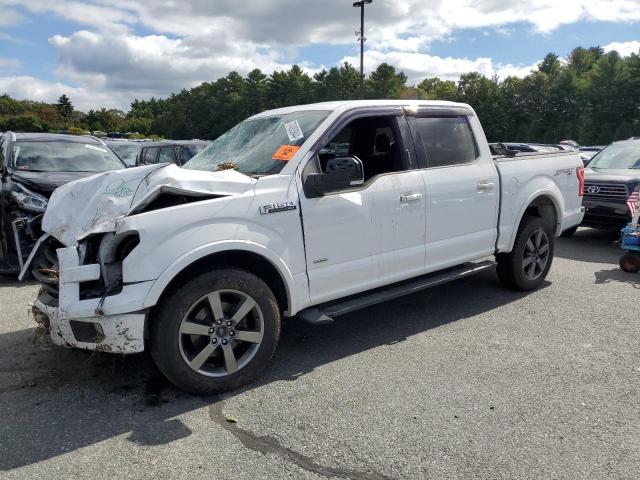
(486, 186)
(410, 198)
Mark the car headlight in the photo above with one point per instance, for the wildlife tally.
(28, 200)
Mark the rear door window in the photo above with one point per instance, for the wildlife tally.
(166, 155)
(150, 155)
(445, 141)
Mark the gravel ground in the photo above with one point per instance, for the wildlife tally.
(466, 380)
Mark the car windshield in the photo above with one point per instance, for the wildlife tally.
(127, 152)
(618, 156)
(63, 157)
(259, 146)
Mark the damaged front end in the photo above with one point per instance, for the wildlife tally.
(20, 226)
(76, 282)
(89, 244)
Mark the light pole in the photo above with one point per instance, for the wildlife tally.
(360, 4)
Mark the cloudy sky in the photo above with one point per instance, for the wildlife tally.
(107, 52)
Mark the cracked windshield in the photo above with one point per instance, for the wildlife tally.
(259, 146)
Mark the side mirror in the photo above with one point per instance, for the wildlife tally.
(340, 174)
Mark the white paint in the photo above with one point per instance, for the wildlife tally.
(397, 226)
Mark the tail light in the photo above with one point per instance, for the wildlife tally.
(580, 175)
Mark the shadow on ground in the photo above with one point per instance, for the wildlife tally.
(617, 275)
(54, 400)
(590, 245)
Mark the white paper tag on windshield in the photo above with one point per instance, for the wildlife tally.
(294, 132)
(98, 149)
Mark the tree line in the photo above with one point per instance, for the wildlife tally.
(591, 96)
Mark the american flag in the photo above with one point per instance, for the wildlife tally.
(632, 201)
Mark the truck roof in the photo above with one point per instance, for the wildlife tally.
(344, 105)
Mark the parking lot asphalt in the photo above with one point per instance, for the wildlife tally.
(466, 380)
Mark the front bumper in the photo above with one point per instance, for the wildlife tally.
(111, 333)
(114, 323)
(606, 215)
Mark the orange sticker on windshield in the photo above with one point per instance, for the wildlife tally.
(285, 153)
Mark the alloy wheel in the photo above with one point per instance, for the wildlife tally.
(536, 254)
(221, 333)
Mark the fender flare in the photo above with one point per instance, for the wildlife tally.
(557, 203)
(188, 259)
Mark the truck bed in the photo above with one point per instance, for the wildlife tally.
(526, 176)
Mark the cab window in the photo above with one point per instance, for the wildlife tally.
(150, 155)
(445, 141)
(374, 140)
(166, 155)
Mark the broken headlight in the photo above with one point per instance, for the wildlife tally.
(28, 200)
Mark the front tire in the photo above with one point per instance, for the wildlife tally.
(217, 332)
(527, 265)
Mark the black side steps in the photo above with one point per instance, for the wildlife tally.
(324, 314)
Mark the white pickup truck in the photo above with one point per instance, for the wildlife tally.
(310, 211)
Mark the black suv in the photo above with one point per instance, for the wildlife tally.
(178, 152)
(611, 177)
(32, 166)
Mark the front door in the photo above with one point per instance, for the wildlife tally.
(370, 236)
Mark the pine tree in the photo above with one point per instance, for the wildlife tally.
(65, 107)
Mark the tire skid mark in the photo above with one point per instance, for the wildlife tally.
(269, 445)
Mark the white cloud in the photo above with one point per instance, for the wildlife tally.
(9, 17)
(30, 88)
(418, 66)
(9, 63)
(6, 37)
(156, 64)
(624, 48)
(192, 41)
(504, 71)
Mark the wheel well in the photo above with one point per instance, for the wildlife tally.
(252, 262)
(544, 207)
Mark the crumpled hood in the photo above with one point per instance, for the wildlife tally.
(92, 205)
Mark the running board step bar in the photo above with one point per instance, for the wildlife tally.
(324, 314)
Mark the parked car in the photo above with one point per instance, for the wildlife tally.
(587, 153)
(520, 147)
(310, 211)
(178, 152)
(611, 178)
(32, 166)
(126, 150)
(594, 149)
(532, 147)
(575, 146)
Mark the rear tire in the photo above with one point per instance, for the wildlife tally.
(217, 332)
(527, 265)
(630, 262)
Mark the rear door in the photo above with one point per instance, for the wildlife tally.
(462, 187)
